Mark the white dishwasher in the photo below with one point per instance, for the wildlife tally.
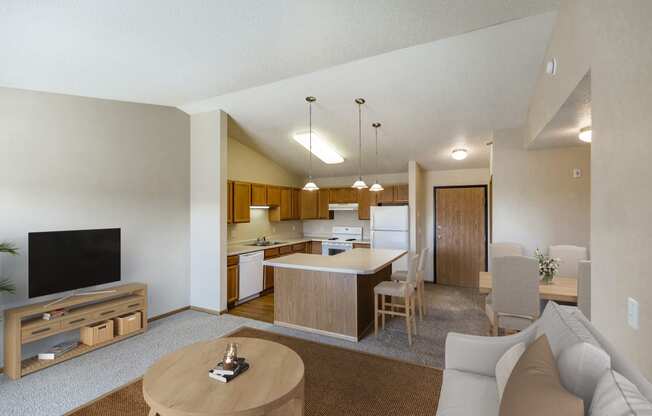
(251, 275)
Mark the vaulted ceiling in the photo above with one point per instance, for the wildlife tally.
(436, 72)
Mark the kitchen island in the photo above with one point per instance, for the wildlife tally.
(330, 295)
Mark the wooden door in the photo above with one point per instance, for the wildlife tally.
(229, 202)
(386, 195)
(401, 193)
(309, 205)
(286, 204)
(258, 194)
(322, 210)
(364, 204)
(273, 196)
(241, 201)
(460, 235)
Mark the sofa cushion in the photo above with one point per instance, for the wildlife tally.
(534, 388)
(505, 366)
(617, 396)
(464, 394)
(580, 367)
(562, 329)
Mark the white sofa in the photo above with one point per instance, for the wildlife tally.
(469, 386)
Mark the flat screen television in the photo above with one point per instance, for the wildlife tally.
(59, 261)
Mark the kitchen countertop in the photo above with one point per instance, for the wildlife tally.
(243, 247)
(356, 261)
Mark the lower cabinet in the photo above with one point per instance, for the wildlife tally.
(232, 283)
(315, 247)
(268, 280)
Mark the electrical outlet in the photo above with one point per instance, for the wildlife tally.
(577, 173)
(632, 313)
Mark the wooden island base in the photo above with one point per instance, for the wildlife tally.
(335, 304)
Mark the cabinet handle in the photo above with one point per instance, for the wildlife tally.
(107, 312)
(76, 321)
(133, 305)
(101, 327)
(40, 331)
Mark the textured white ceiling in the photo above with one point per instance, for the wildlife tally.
(430, 98)
(573, 115)
(177, 51)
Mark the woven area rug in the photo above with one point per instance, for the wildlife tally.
(338, 382)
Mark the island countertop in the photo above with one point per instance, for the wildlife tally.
(356, 261)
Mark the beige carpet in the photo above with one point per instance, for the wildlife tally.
(338, 382)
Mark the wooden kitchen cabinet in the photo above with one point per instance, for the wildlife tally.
(268, 271)
(296, 204)
(365, 198)
(232, 279)
(299, 248)
(309, 205)
(385, 196)
(343, 195)
(315, 247)
(401, 192)
(361, 245)
(286, 204)
(273, 196)
(258, 194)
(241, 201)
(323, 201)
(229, 202)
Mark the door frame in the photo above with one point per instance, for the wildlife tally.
(434, 229)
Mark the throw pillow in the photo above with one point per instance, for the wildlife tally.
(534, 388)
(506, 364)
(617, 396)
(580, 367)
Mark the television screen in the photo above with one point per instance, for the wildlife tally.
(67, 260)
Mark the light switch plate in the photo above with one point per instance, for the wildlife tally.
(632, 313)
(577, 173)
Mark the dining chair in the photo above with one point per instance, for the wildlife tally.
(395, 290)
(401, 276)
(506, 249)
(569, 257)
(514, 303)
(584, 288)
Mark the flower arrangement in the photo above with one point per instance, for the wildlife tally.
(548, 266)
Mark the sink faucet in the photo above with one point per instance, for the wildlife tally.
(261, 239)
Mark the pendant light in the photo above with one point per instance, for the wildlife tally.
(310, 185)
(376, 187)
(359, 184)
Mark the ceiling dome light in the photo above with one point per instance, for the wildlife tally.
(586, 134)
(459, 154)
(376, 187)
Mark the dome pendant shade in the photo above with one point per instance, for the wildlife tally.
(376, 187)
(310, 186)
(359, 184)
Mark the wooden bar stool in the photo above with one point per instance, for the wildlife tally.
(394, 289)
(401, 276)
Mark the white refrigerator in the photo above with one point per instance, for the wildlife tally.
(390, 228)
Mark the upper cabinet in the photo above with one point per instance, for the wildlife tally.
(273, 195)
(385, 196)
(309, 205)
(241, 201)
(229, 202)
(324, 199)
(401, 192)
(364, 203)
(258, 194)
(343, 195)
(296, 204)
(285, 206)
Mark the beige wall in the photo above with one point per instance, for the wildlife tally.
(434, 178)
(616, 36)
(71, 163)
(621, 230)
(384, 178)
(536, 201)
(246, 164)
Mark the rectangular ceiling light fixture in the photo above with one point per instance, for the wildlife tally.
(320, 148)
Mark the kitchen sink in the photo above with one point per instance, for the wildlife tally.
(265, 243)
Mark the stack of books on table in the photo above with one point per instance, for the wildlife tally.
(220, 374)
(58, 350)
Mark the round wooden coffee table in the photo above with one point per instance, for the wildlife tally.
(178, 384)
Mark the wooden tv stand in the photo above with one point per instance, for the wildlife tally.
(25, 324)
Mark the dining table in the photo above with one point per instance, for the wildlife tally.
(561, 289)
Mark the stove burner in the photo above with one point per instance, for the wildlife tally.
(332, 239)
